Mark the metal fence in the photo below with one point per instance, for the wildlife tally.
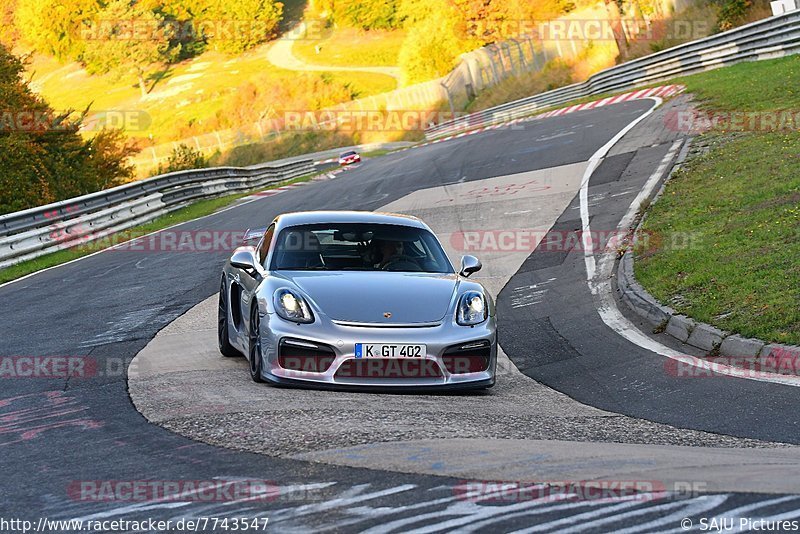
(766, 39)
(31, 233)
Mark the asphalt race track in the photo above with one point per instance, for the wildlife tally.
(574, 400)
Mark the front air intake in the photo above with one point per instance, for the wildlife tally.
(468, 357)
(298, 355)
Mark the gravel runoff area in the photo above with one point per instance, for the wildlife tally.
(291, 432)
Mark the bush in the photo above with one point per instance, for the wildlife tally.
(183, 158)
(731, 13)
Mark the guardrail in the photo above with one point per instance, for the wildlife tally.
(31, 233)
(769, 38)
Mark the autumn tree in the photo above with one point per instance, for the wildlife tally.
(43, 158)
(243, 24)
(54, 26)
(128, 38)
(8, 29)
(433, 44)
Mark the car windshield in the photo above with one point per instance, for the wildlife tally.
(346, 154)
(359, 247)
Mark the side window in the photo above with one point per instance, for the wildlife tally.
(263, 247)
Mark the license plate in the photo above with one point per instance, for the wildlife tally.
(387, 350)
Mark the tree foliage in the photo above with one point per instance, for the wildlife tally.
(243, 24)
(430, 49)
(54, 26)
(45, 159)
(263, 99)
(127, 38)
(8, 30)
(732, 13)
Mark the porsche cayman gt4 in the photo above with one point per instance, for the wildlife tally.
(356, 300)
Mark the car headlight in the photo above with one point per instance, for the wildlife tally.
(471, 309)
(292, 307)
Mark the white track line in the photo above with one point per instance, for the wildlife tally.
(600, 282)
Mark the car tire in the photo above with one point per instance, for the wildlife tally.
(223, 341)
(256, 360)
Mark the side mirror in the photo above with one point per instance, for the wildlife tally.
(245, 258)
(469, 265)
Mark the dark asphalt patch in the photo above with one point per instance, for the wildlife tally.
(555, 246)
(610, 169)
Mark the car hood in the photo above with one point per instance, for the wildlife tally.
(365, 297)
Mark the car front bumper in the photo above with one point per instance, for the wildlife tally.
(428, 373)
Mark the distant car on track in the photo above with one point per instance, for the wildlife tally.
(348, 158)
(356, 300)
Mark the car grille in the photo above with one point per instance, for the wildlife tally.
(389, 368)
(298, 355)
(468, 358)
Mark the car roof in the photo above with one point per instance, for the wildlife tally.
(324, 217)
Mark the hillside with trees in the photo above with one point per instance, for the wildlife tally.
(197, 67)
(43, 158)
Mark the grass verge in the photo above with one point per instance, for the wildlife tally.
(201, 208)
(350, 47)
(725, 234)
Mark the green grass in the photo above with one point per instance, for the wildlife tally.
(752, 86)
(725, 235)
(349, 47)
(192, 211)
(365, 84)
(376, 153)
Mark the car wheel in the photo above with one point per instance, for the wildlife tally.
(256, 360)
(223, 341)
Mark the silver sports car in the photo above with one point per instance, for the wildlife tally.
(350, 299)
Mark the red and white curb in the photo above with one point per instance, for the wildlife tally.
(325, 161)
(288, 187)
(663, 91)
